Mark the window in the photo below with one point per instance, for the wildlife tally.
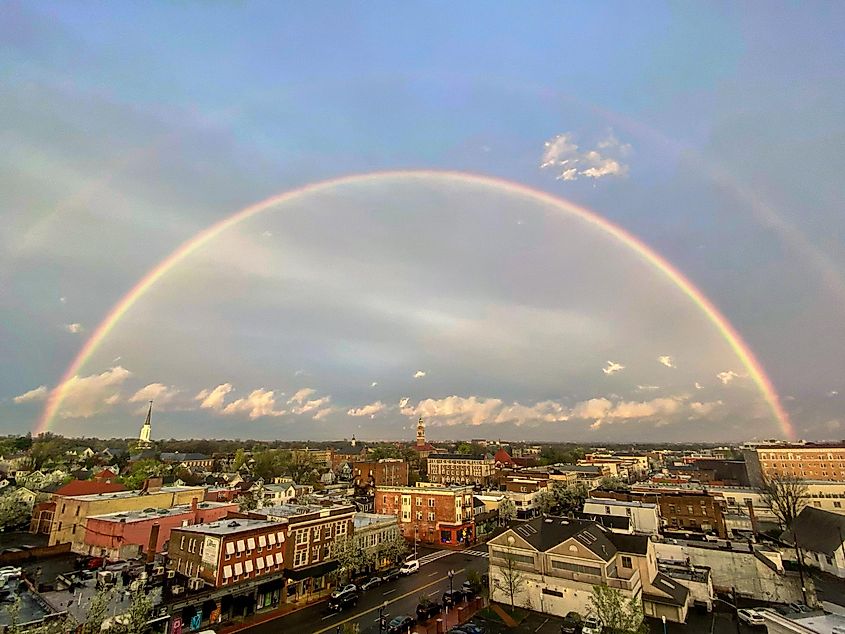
(419, 515)
(315, 534)
(837, 505)
(522, 559)
(565, 565)
(431, 502)
(300, 557)
(301, 537)
(431, 517)
(626, 562)
(419, 501)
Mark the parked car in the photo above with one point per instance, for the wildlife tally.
(409, 567)
(453, 597)
(427, 609)
(349, 588)
(467, 628)
(343, 601)
(571, 623)
(390, 575)
(592, 625)
(372, 582)
(750, 617)
(469, 589)
(400, 624)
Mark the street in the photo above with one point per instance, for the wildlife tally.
(402, 596)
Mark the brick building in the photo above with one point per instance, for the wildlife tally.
(385, 472)
(127, 534)
(430, 514)
(808, 462)
(72, 512)
(461, 469)
(680, 509)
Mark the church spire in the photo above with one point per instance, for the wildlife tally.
(420, 433)
(146, 430)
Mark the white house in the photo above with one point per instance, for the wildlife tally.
(644, 516)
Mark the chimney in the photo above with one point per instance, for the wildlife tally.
(152, 485)
(754, 528)
(152, 547)
(194, 510)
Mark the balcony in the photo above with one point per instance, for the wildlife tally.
(629, 585)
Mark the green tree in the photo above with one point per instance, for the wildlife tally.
(393, 549)
(246, 502)
(239, 460)
(545, 501)
(618, 613)
(507, 511)
(301, 469)
(569, 498)
(98, 609)
(14, 512)
(141, 470)
(270, 464)
(613, 483)
(350, 556)
(136, 617)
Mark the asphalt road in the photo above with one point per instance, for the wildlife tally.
(401, 595)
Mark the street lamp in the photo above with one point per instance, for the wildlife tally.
(381, 622)
(451, 576)
(663, 618)
(416, 529)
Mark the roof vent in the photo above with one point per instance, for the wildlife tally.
(548, 520)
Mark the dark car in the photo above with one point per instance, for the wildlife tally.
(428, 609)
(400, 624)
(390, 575)
(467, 628)
(343, 601)
(571, 624)
(453, 597)
(371, 583)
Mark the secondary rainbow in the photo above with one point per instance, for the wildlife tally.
(732, 337)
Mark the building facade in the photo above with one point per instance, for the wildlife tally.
(808, 462)
(643, 516)
(385, 472)
(461, 469)
(430, 514)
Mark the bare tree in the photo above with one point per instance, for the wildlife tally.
(507, 511)
(509, 581)
(786, 496)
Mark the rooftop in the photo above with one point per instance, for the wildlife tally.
(818, 531)
(130, 494)
(363, 520)
(152, 513)
(229, 527)
(612, 502)
(544, 533)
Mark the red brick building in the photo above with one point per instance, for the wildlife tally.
(430, 514)
(386, 472)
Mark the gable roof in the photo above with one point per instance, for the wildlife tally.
(544, 533)
(818, 531)
(677, 593)
(89, 487)
(613, 522)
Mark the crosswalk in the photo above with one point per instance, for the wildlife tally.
(438, 554)
(477, 553)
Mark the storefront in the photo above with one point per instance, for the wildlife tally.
(303, 583)
(458, 535)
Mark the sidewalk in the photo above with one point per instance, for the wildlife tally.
(270, 615)
(443, 622)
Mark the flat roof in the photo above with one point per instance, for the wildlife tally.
(152, 513)
(612, 502)
(362, 520)
(129, 494)
(295, 510)
(225, 527)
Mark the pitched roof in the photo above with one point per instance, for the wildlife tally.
(544, 533)
(677, 592)
(818, 531)
(89, 487)
(502, 456)
(617, 522)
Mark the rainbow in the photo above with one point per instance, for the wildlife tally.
(732, 337)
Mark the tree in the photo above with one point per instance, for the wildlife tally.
(246, 502)
(545, 501)
(239, 460)
(141, 470)
(509, 581)
(98, 609)
(392, 549)
(350, 556)
(617, 612)
(786, 496)
(136, 617)
(14, 512)
(613, 483)
(571, 497)
(507, 511)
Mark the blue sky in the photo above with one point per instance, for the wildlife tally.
(713, 132)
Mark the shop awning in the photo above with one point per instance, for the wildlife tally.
(312, 572)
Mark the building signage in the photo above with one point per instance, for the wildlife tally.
(211, 551)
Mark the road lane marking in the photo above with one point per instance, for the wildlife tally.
(431, 594)
(541, 625)
(399, 598)
(434, 573)
(384, 594)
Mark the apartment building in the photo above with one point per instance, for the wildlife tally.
(453, 468)
(808, 461)
(71, 512)
(385, 472)
(431, 514)
(372, 533)
(644, 517)
(320, 457)
(560, 560)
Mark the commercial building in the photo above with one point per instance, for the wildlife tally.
(321, 458)
(372, 533)
(461, 469)
(807, 461)
(560, 560)
(128, 534)
(384, 472)
(72, 511)
(644, 517)
(430, 514)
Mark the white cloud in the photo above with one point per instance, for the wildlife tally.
(266, 234)
(74, 328)
(367, 410)
(213, 399)
(374, 383)
(704, 409)
(300, 396)
(666, 360)
(403, 402)
(647, 388)
(475, 410)
(259, 403)
(602, 411)
(727, 376)
(37, 394)
(833, 393)
(87, 395)
(158, 392)
(323, 413)
(562, 154)
(613, 367)
(698, 386)
(63, 300)
(419, 374)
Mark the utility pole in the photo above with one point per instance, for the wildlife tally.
(800, 562)
(736, 609)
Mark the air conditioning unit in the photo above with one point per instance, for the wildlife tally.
(195, 583)
(177, 590)
(171, 574)
(158, 570)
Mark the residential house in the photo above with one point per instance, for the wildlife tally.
(820, 536)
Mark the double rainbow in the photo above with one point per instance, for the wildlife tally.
(732, 337)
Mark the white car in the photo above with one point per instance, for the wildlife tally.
(409, 567)
(750, 617)
(350, 588)
(592, 625)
